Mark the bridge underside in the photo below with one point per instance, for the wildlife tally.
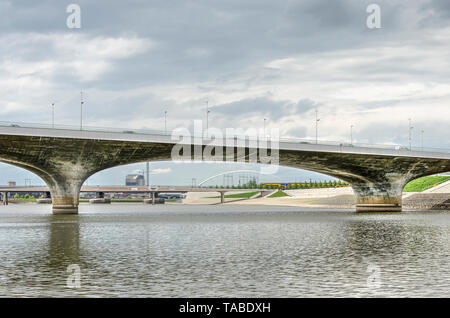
(65, 163)
(377, 181)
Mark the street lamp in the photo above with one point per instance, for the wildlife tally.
(81, 110)
(207, 113)
(317, 126)
(410, 131)
(165, 122)
(265, 127)
(421, 138)
(351, 134)
(53, 115)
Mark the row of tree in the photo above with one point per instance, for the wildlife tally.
(26, 196)
(297, 185)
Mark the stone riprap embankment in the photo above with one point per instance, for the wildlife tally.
(428, 201)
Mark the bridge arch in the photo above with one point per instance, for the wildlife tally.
(64, 163)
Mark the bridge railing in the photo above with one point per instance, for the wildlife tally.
(364, 145)
(169, 133)
(84, 128)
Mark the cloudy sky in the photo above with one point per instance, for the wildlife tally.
(251, 60)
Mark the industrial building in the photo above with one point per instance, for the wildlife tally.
(134, 180)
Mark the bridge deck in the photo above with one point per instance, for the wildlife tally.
(154, 136)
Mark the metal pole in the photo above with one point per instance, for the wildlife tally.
(317, 127)
(53, 115)
(409, 133)
(421, 138)
(81, 110)
(207, 112)
(165, 122)
(351, 134)
(410, 137)
(264, 128)
(148, 174)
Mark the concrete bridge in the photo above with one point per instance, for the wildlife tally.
(65, 157)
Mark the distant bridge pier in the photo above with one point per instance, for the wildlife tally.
(100, 198)
(152, 198)
(46, 198)
(5, 198)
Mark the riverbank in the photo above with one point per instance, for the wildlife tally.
(333, 198)
(437, 198)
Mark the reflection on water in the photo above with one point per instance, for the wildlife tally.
(232, 251)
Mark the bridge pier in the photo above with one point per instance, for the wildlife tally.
(64, 204)
(100, 198)
(378, 197)
(5, 198)
(46, 199)
(65, 195)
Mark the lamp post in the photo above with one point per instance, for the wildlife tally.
(265, 127)
(410, 135)
(53, 115)
(317, 127)
(351, 134)
(207, 113)
(81, 110)
(421, 138)
(165, 122)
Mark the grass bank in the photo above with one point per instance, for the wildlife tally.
(244, 195)
(425, 183)
(278, 194)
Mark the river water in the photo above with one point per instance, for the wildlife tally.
(134, 250)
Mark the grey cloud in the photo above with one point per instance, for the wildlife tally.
(211, 45)
(297, 132)
(437, 13)
(229, 36)
(265, 106)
